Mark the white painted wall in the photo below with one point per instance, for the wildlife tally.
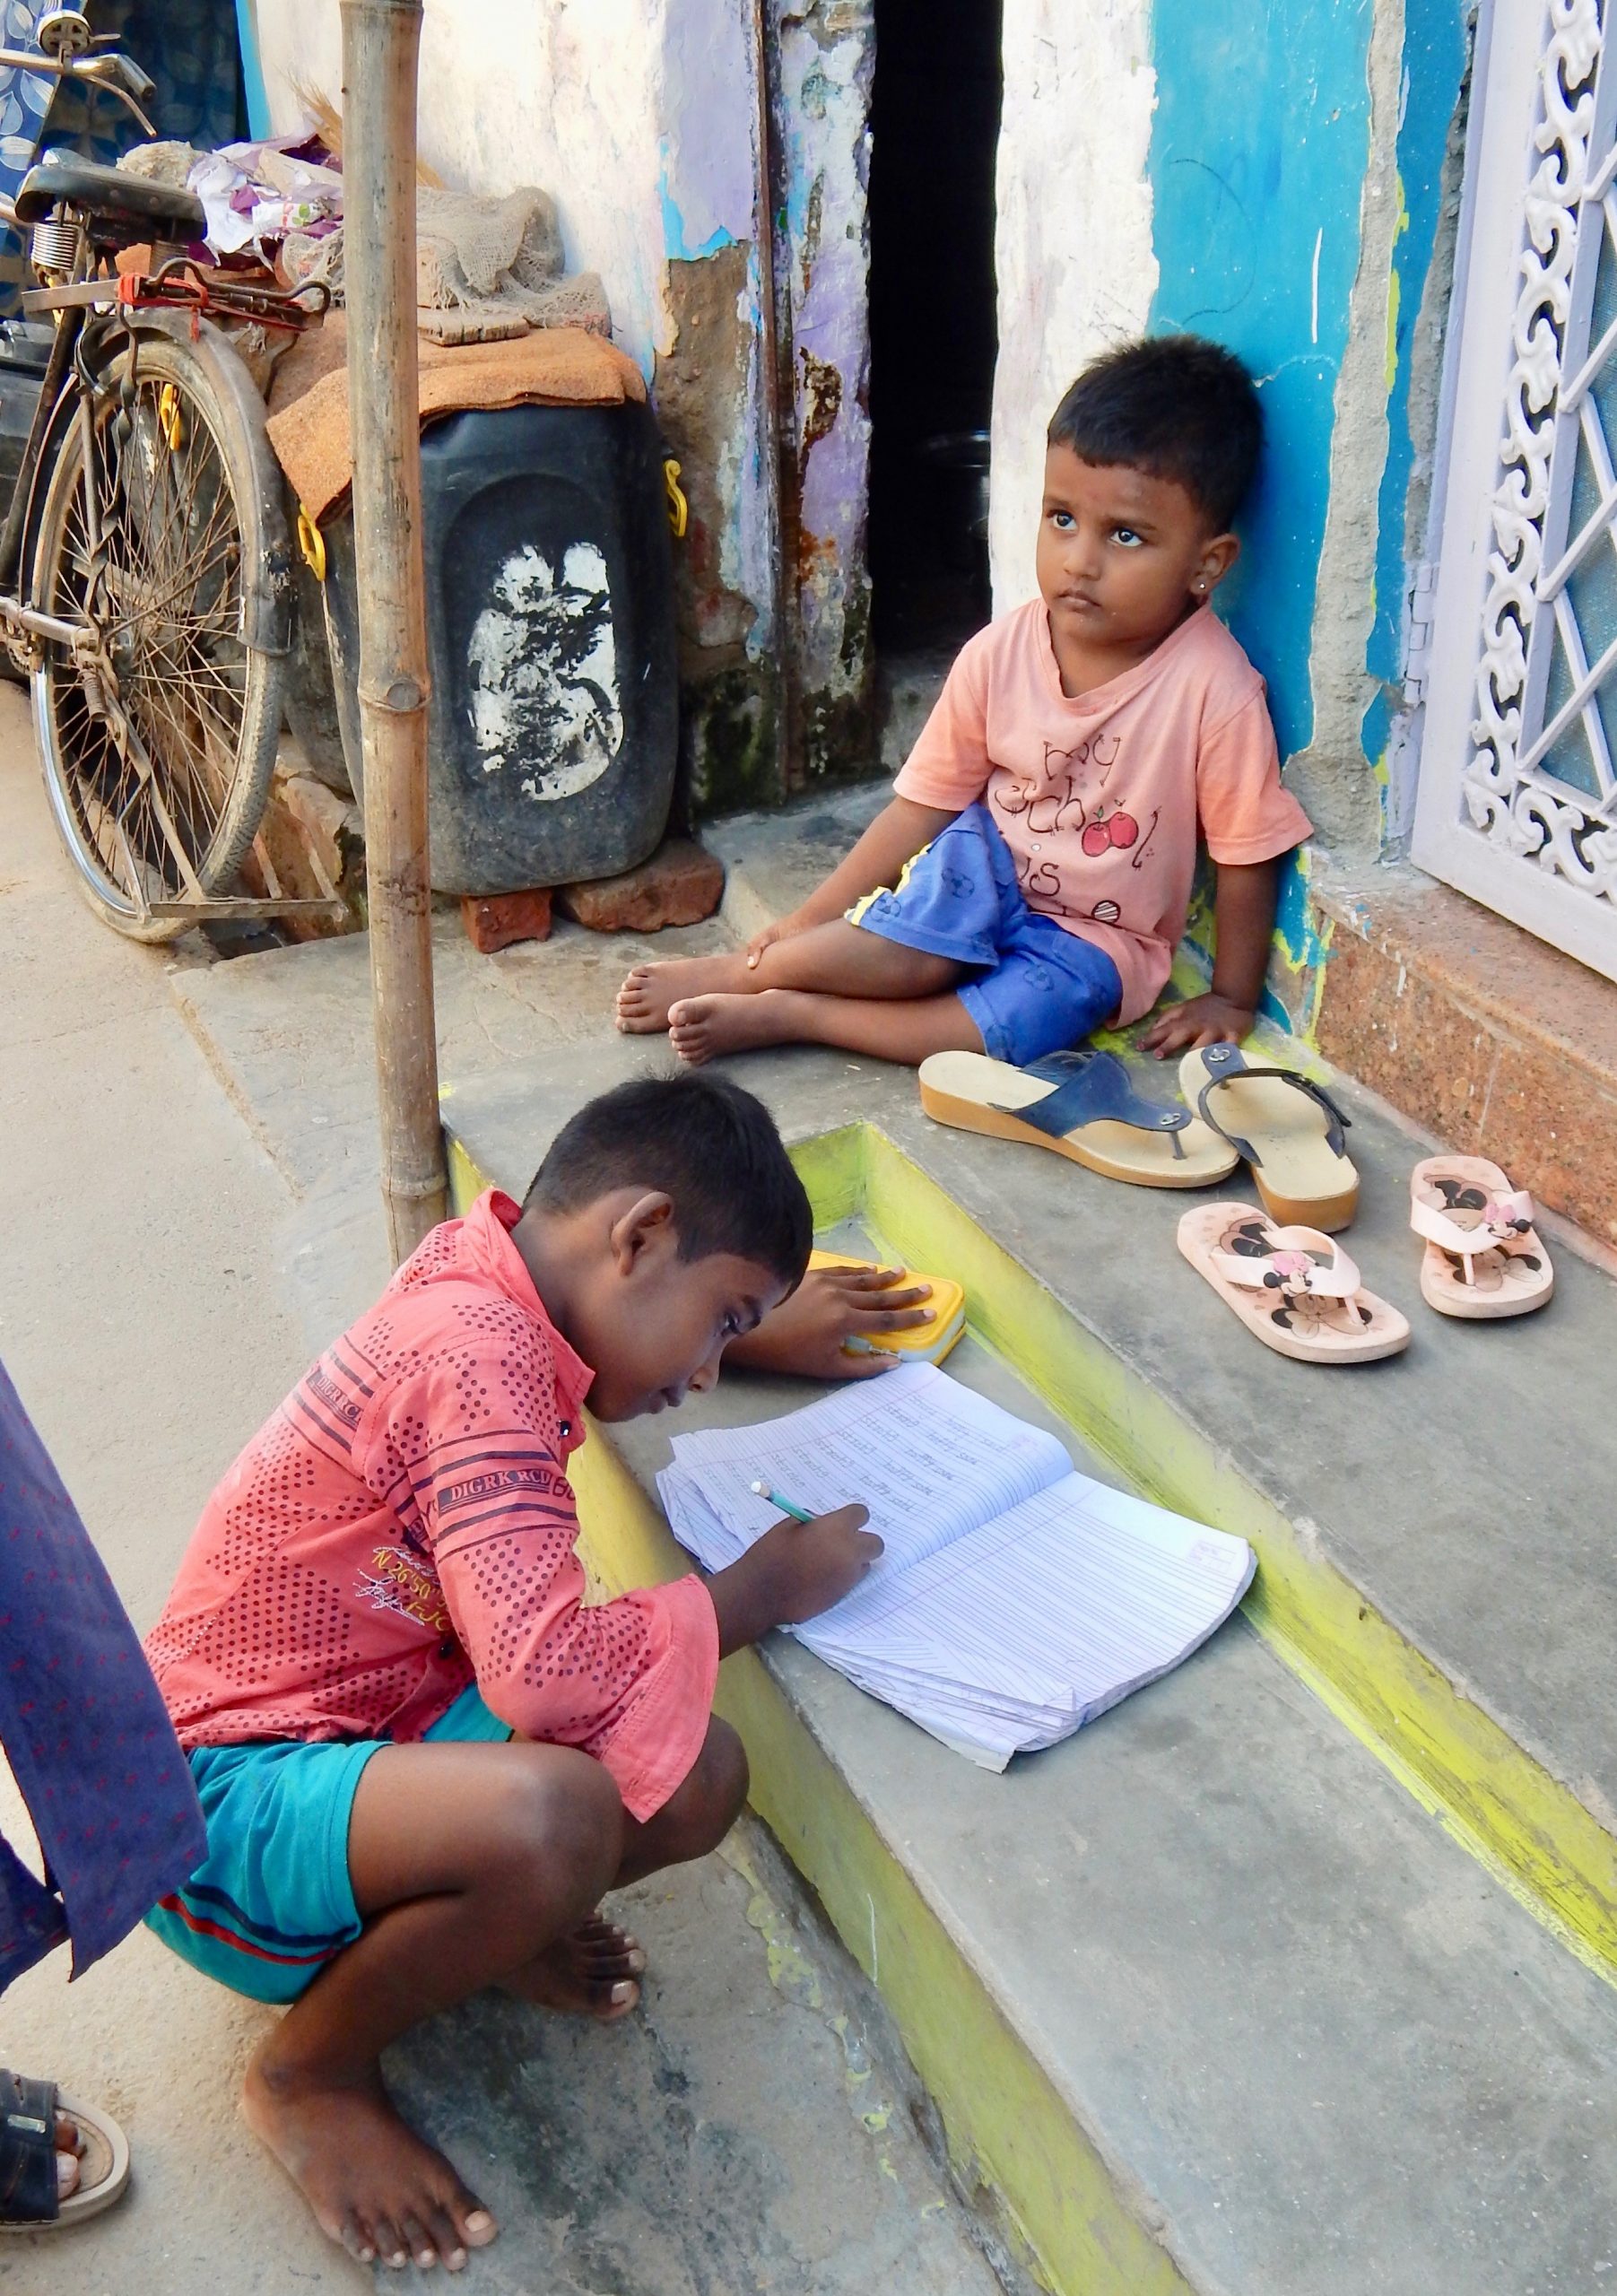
(636, 115)
(577, 96)
(1073, 246)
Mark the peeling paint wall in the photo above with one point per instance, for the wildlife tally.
(826, 56)
(529, 92)
(639, 117)
(1297, 167)
(1279, 174)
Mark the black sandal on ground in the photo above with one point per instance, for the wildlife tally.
(28, 2201)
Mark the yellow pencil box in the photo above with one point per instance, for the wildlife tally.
(926, 1342)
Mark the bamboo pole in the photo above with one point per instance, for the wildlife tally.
(381, 43)
(774, 397)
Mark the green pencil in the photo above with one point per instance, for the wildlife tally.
(797, 1513)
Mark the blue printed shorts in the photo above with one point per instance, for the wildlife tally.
(272, 1903)
(1038, 988)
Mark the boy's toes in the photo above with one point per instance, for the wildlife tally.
(390, 2245)
(639, 1010)
(686, 1033)
(477, 2227)
(422, 2246)
(450, 2247)
(357, 2239)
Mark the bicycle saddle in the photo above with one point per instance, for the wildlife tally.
(142, 209)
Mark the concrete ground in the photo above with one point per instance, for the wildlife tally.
(162, 1281)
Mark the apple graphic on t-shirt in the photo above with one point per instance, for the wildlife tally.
(1116, 831)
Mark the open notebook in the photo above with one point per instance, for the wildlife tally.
(1016, 1599)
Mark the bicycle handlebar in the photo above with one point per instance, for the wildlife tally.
(120, 74)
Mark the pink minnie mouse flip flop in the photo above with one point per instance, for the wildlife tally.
(1293, 1287)
(1483, 1259)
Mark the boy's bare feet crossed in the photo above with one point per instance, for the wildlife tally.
(650, 990)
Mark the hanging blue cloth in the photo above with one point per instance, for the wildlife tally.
(191, 49)
(83, 1726)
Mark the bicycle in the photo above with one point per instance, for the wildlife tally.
(146, 584)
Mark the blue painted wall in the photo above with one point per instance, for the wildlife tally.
(1257, 160)
(1434, 67)
(1259, 147)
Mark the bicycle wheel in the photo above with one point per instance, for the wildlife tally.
(158, 744)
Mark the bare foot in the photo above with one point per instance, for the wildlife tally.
(645, 997)
(371, 2183)
(703, 1027)
(69, 2146)
(592, 1973)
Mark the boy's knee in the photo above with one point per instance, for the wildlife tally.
(564, 1815)
(716, 1788)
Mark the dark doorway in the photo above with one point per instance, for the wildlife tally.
(934, 132)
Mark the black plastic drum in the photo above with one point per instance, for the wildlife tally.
(555, 717)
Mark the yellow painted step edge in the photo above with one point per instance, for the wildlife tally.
(1007, 2128)
(1491, 1793)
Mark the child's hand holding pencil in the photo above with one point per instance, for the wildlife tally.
(798, 1568)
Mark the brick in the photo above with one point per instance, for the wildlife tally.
(316, 841)
(681, 883)
(494, 920)
(1501, 1045)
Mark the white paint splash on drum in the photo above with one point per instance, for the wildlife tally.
(544, 673)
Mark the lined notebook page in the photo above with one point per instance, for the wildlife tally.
(1043, 1618)
(1016, 1600)
(930, 1459)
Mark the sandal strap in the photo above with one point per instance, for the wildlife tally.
(1092, 1087)
(28, 2151)
(1291, 1264)
(1506, 1221)
(1226, 1063)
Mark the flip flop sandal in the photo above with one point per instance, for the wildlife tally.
(28, 2158)
(1483, 1259)
(1292, 1287)
(1081, 1105)
(1286, 1128)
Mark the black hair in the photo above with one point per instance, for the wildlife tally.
(704, 1143)
(1175, 406)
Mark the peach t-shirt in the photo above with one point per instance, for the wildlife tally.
(1100, 797)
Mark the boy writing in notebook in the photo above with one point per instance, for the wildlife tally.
(421, 1755)
(1031, 875)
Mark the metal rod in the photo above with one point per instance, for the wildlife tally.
(44, 625)
(381, 44)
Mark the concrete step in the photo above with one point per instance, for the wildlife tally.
(1432, 1559)
(1432, 1530)
(1206, 2000)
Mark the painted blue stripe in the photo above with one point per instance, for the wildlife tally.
(252, 71)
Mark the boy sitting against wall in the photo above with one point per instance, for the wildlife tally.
(421, 1755)
(1030, 878)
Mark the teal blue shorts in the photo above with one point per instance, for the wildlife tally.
(272, 1903)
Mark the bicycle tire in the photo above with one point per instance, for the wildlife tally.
(166, 593)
